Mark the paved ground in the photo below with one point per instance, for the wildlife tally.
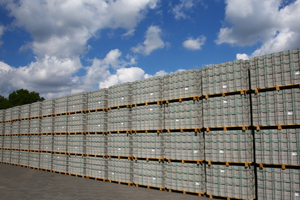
(29, 184)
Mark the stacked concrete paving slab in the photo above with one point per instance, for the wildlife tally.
(226, 130)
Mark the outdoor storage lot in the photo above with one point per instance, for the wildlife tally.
(23, 183)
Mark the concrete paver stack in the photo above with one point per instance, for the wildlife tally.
(227, 130)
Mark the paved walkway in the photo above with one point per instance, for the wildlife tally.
(29, 184)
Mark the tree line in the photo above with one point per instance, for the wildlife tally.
(18, 98)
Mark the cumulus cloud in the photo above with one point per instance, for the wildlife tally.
(152, 42)
(273, 23)
(60, 33)
(62, 28)
(46, 75)
(179, 9)
(184, 6)
(194, 44)
(123, 75)
(53, 77)
(243, 56)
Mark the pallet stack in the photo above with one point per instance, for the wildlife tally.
(276, 108)
(228, 142)
(228, 130)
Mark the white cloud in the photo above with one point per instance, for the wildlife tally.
(53, 77)
(62, 28)
(123, 75)
(152, 42)
(242, 56)
(273, 23)
(60, 33)
(184, 6)
(194, 44)
(178, 10)
(48, 75)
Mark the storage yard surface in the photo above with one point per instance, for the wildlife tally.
(22, 183)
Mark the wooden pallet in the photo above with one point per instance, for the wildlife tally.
(77, 175)
(58, 172)
(120, 157)
(149, 159)
(120, 106)
(93, 155)
(225, 128)
(76, 154)
(228, 198)
(120, 182)
(149, 186)
(97, 110)
(148, 131)
(77, 112)
(247, 164)
(120, 131)
(159, 102)
(183, 130)
(223, 94)
(183, 161)
(76, 133)
(277, 88)
(194, 98)
(187, 192)
(57, 152)
(279, 127)
(96, 179)
(283, 166)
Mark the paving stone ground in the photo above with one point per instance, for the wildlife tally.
(29, 184)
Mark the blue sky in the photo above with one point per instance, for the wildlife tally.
(59, 47)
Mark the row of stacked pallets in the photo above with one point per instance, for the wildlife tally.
(227, 130)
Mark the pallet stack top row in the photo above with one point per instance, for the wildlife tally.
(266, 72)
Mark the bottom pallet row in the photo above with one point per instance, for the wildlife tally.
(236, 182)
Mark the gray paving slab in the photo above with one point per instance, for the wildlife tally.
(29, 184)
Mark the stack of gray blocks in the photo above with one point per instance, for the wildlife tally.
(48, 107)
(148, 145)
(150, 173)
(147, 117)
(97, 99)
(36, 109)
(225, 77)
(147, 90)
(77, 102)
(186, 83)
(119, 95)
(185, 177)
(184, 146)
(96, 144)
(119, 145)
